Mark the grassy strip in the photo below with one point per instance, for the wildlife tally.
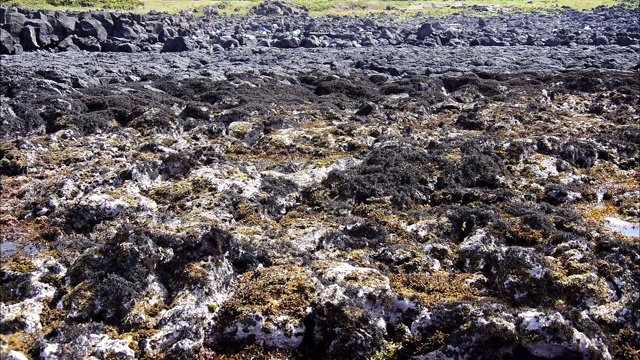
(318, 7)
(105, 4)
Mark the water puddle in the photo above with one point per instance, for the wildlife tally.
(9, 248)
(622, 227)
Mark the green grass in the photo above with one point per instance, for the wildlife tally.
(106, 4)
(401, 9)
(174, 6)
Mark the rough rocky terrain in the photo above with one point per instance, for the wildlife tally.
(275, 24)
(407, 199)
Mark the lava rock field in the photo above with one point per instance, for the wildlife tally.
(276, 186)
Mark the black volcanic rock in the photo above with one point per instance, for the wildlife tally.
(178, 44)
(87, 43)
(127, 47)
(29, 38)
(425, 31)
(65, 24)
(366, 109)
(397, 199)
(567, 28)
(90, 27)
(3, 14)
(68, 44)
(105, 19)
(8, 45)
(14, 23)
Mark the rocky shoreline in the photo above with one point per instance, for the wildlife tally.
(275, 24)
(403, 200)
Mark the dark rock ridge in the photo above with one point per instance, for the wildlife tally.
(34, 85)
(279, 25)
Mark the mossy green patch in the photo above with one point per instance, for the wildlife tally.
(389, 351)
(20, 264)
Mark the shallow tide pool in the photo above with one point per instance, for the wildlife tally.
(8, 248)
(623, 227)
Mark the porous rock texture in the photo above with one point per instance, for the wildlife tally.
(381, 202)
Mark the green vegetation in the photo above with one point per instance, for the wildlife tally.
(319, 7)
(20, 264)
(106, 4)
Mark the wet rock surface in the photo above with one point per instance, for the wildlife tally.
(387, 202)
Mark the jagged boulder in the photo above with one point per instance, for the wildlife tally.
(14, 23)
(127, 29)
(166, 33)
(29, 38)
(425, 31)
(178, 44)
(8, 45)
(106, 19)
(90, 27)
(3, 15)
(87, 43)
(289, 42)
(279, 8)
(65, 25)
(44, 32)
(68, 44)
